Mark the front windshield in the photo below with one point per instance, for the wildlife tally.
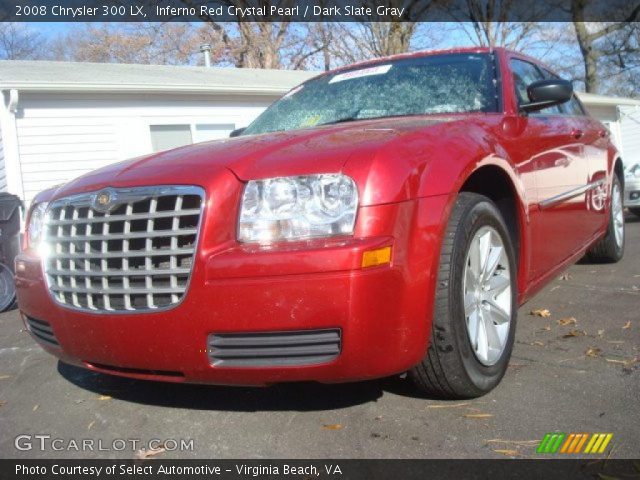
(454, 83)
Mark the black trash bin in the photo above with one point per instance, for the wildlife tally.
(10, 206)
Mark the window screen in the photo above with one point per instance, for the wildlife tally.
(206, 132)
(166, 137)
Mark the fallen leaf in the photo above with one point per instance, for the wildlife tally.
(2, 403)
(613, 360)
(565, 276)
(4, 377)
(593, 352)
(546, 329)
(104, 397)
(335, 426)
(152, 452)
(449, 406)
(627, 325)
(537, 343)
(35, 407)
(541, 312)
(600, 333)
(567, 321)
(478, 415)
(509, 453)
(574, 333)
(93, 422)
(515, 442)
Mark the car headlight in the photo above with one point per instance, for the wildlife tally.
(36, 224)
(295, 208)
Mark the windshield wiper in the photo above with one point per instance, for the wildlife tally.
(347, 118)
(340, 120)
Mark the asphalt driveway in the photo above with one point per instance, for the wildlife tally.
(577, 370)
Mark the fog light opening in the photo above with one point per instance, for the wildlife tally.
(377, 257)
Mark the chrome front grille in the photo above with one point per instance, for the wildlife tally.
(128, 249)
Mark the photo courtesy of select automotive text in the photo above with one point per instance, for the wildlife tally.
(335, 239)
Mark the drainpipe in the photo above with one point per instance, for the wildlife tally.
(205, 48)
(9, 132)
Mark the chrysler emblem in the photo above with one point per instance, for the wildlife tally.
(104, 200)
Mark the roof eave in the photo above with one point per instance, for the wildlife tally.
(136, 88)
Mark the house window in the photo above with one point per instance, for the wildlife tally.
(206, 132)
(166, 137)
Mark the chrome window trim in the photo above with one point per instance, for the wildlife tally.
(574, 192)
(125, 194)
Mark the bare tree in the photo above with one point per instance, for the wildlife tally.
(592, 40)
(494, 23)
(249, 42)
(153, 43)
(19, 42)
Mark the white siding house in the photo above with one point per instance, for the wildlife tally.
(3, 175)
(630, 133)
(61, 120)
(618, 114)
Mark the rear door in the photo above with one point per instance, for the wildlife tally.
(596, 145)
(595, 139)
(561, 171)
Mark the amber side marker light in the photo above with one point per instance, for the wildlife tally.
(379, 256)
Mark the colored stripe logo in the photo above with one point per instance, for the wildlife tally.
(573, 443)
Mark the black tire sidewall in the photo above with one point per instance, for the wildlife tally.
(483, 213)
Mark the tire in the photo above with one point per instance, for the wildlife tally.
(635, 211)
(7, 288)
(454, 367)
(610, 248)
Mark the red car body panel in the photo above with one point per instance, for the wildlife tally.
(408, 171)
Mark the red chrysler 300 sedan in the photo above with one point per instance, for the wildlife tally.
(384, 217)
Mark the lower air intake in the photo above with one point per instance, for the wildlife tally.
(42, 331)
(274, 349)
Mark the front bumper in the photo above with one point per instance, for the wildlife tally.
(383, 313)
(632, 192)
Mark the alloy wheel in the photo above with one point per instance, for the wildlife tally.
(618, 214)
(487, 295)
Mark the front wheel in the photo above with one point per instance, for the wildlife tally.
(475, 307)
(610, 248)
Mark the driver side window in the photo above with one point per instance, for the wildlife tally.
(524, 74)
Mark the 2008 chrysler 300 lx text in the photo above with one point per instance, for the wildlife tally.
(384, 217)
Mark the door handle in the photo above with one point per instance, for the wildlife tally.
(577, 133)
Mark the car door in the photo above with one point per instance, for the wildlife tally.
(561, 170)
(596, 142)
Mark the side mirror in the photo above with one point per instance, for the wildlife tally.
(547, 93)
(237, 132)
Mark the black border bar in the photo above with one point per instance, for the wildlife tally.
(318, 10)
(548, 469)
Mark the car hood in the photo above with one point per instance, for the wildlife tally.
(323, 149)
